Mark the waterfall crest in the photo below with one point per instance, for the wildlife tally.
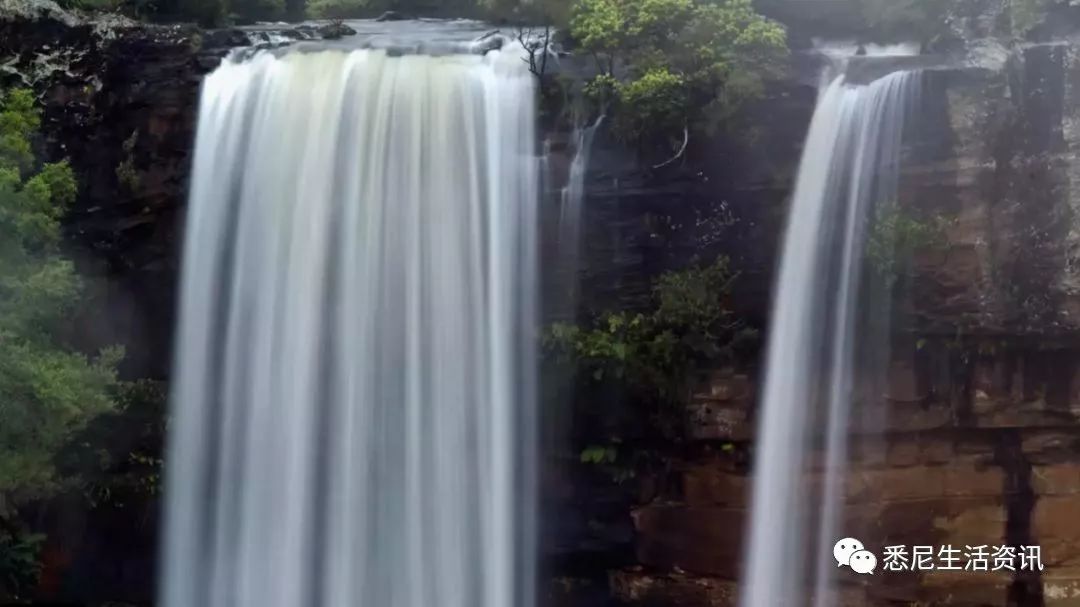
(354, 392)
(849, 171)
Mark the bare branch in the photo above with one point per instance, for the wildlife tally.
(547, 49)
(685, 141)
(532, 47)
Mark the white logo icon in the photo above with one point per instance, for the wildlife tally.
(843, 550)
(863, 561)
(851, 552)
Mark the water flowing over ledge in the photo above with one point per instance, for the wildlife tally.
(355, 382)
(822, 335)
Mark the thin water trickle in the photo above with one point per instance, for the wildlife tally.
(571, 204)
(849, 171)
(353, 410)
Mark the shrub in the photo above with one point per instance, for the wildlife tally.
(633, 369)
(48, 391)
(337, 9)
(671, 65)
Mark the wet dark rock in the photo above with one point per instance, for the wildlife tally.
(208, 62)
(335, 30)
(489, 42)
(226, 38)
(392, 16)
(298, 33)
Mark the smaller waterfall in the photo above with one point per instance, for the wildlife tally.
(849, 168)
(573, 194)
(570, 208)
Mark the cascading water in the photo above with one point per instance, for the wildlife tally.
(570, 208)
(353, 411)
(849, 171)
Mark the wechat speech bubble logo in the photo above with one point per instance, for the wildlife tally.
(863, 561)
(843, 550)
(851, 552)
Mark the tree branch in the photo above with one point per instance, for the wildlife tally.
(685, 141)
(547, 50)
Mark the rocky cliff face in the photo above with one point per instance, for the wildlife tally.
(1010, 182)
(977, 449)
(982, 408)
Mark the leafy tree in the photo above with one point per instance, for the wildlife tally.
(924, 21)
(19, 564)
(631, 371)
(336, 9)
(116, 461)
(48, 391)
(256, 10)
(669, 66)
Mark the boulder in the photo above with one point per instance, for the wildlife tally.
(335, 30)
(392, 16)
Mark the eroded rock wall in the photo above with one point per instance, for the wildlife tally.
(979, 448)
(981, 441)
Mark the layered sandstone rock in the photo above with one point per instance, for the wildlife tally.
(981, 414)
(995, 464)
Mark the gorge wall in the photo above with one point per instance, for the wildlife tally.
(982, 405)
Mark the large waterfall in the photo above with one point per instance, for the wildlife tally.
(353, 409)
(849, 172)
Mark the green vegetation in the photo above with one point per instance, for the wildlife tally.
(208, 13)
(895, 236)
(1026, 15)
(92, 5)
(498, 11)
(256, 10)
(336, 9)
(631, 371)
(901, 20)
(115, 462)
(927, 20)
(690, 324)
(713, 45)
(880, 21)
(48, 390)
(126, 174)
(19, 564)
(669, 66)
(884, 21)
